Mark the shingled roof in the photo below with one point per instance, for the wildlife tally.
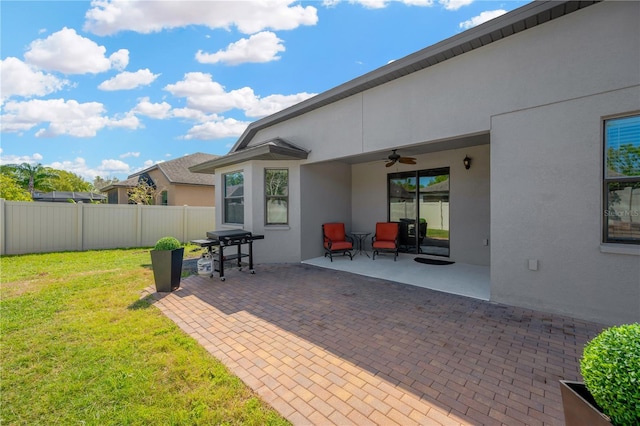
(177, 171)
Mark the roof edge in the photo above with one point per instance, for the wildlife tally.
(273, 149)
(448, 48)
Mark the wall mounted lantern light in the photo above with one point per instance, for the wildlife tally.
(467, 162)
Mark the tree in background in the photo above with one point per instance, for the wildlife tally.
(624, 160)
(11, 191)
(31, 177)
(143, 193)
(67, 181)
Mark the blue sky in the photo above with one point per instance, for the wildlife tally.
(107, 88)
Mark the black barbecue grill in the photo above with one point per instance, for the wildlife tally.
(229, 238)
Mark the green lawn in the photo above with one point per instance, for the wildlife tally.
(438, 233)
(78, 346)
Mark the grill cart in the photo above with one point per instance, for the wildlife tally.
(224, 240)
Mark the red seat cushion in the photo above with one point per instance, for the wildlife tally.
(339, 245)
(384, 244)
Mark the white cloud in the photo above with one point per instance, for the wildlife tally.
(120, 59)
(261, 47)
(204, 94)
(157, 111)
(190, 114)
(217, 129)
(128, 121)
(69, 53)
(193, 84)
(111, 16)
(19, 159)
(129, 80)
(454, 4)
(64, 118)
(274, 103)
(379, 4)
(20, 79)
(146, 165)
(79, 166)
(130, 154)
(482, 18)
(114, 166)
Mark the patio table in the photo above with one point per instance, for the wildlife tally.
(360, 238)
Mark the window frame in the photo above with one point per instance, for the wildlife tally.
(608, 180)
(225, 198)
(268, 197)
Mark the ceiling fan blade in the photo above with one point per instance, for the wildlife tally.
(390, 163)
(407, 160)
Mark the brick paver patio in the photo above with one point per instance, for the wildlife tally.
(325, 347)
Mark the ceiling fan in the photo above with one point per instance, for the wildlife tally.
(394, 156)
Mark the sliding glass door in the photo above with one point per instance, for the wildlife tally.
(419, 202)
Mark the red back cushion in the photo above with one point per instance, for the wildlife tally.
(386, 231)
(334, 231)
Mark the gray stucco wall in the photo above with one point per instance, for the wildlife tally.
(546, 205)
(326, 197)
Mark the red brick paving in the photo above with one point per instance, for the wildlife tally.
(329, 347)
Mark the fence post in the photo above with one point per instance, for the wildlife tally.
(185, 223)
(139, 225)
(2, 216)
(79, 226)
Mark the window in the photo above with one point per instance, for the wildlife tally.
(276, 182)
(165, 198)
(622, 180)
(233, 197)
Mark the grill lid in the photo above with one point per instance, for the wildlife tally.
(229, 234)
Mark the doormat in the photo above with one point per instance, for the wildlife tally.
(433, 261)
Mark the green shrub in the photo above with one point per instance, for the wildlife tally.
(167, 243)
(610, 367)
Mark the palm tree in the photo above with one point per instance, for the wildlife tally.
(32, 177)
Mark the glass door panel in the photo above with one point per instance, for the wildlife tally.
(434, 212)
(402, 197)
(419, 202)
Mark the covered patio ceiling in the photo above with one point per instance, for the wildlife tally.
(419, 149)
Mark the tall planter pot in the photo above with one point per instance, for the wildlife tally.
(167, 268)
(579, 407)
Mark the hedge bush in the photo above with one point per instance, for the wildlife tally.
(167, 243)
(610, 367)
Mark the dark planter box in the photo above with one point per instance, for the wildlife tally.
(167, 268)
(579, 407)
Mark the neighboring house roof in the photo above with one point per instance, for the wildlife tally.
(65, 196)
(272, 149)
(235, 191)
(127, 183)
(436, 187)
(523, 18)
(176, 171)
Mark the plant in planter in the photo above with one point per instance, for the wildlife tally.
(166, 260)
(610, 394)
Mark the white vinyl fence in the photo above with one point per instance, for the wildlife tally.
(33, 227)
(436, 213)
